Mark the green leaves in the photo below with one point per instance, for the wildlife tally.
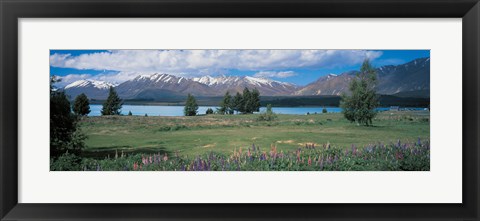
(191, 106)
(81, 105)
(360, 105)
(113, 104)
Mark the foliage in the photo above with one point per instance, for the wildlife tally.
(81, 105)
(191, 106)
(253, 102)
(113, 104)
(64, 134)
(324, 110)
(130, 113)
(238, 103)
(360, 105)
(245, 103)
(226, 106)
(66, 162)
(310, 157)
(268, 115)
(209, 111)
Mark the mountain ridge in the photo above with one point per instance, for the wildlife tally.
(392, 79)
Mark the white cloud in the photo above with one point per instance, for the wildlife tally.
(192, 62)
(274, 74)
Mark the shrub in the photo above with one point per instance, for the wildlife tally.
(130, 113)
(324, 110)
(66, 162)
(209, 111)
(268, 115)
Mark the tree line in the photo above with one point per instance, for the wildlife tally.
(243, 103)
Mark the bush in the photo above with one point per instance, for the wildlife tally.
(129, 113)
(268, 115)
(209, 111)
(66, 162)
(324, 110)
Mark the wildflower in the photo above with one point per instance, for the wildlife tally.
(135, 166)
(398, 155)
(309, 161)
(165, 157)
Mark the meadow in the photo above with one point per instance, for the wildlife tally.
(224, 134)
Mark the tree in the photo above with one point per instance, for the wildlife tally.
(81, 106)
(226, 104)
(324, 110)
(255, 100)
(360, 105)
(247, 104)
(238, 104)
(113, 104)
(130, 113)
(209, 111)
(191, 106)
(65, 137)
(268, 115)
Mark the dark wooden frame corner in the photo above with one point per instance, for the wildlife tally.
(12, 10)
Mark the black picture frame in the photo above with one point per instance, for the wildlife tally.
(11, 10)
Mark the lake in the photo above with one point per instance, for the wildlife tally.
(154, 110)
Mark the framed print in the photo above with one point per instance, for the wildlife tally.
(321, 110)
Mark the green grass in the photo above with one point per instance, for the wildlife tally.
(197, 135)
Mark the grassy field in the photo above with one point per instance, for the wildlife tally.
(191, 136)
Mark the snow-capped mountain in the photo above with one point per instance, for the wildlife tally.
(412, 77)
(233, 84)
(92, 88)
(158, 85)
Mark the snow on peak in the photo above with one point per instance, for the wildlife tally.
(167, 78)
(88, 82)
(208, 80)
(259, 81)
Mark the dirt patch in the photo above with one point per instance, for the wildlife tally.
(308, 143)
(286, 141)
(209, 145)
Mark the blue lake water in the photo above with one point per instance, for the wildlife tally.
(153, 110)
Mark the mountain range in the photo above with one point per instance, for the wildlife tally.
(409, 79)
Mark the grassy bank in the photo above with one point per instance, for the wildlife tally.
(193, 136)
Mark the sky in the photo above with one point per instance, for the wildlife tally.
(299, 67)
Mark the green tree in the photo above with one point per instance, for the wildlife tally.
(113, 104)
(268, 115)
(360, 105)
(209, 111)
(238, 104)
(255, 100)
(65, 137)
(130, 113)
(81, 105)
(226, 104)
(247, 103)
(191, 106)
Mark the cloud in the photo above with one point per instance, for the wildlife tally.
(274, 74)
(198, 62)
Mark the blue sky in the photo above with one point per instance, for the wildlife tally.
(294, 66)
